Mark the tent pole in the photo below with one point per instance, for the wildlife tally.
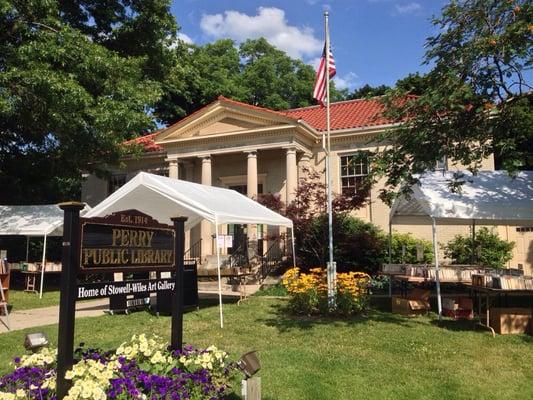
(473, 255)
(42, 268)
(437, 277)
(27, 248)
(390, 256)
(293, 248)
(219, 278)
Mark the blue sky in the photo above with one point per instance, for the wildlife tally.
(373, 41)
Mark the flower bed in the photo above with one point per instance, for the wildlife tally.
(308, 293)
(143, 368)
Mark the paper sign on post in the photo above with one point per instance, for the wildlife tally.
(229, 241)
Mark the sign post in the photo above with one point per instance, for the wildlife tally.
(70, 259)
(176, 333)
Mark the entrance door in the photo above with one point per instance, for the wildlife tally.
(238, 231)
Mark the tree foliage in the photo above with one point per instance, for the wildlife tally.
(477, 99)
(487, 249)
(405, 248)
(367, 91)
(256, 73)
(74, 84)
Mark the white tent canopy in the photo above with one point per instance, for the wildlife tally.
(33, 220)
(488, 196)
(164, 198)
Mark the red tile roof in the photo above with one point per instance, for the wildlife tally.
(343, 115)
(348, 114)
(148, 141)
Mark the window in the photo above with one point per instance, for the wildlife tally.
(524, 229)
(115, 182)
(354, 168)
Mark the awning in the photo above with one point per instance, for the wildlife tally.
(163, 198)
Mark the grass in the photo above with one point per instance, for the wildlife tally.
(380, 356)
(272, 290)
(21, 300)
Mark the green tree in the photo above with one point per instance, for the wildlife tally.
(367, 91)
(66, 102)
(201, 75)
(405, 248)
(487, 249)
(256, 73)
(270, 78)
(477, 101)
(413, 84)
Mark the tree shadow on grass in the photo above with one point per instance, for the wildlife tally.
(460, 325)
(284, 320)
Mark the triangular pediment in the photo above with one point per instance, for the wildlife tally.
(222, 117)
(226, 125)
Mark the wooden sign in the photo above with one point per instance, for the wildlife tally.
(126, 241)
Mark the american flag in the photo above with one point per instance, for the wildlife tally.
(319, 92)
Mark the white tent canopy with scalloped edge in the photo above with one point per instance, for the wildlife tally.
(489, 196)
(33, 220)
(164, 198)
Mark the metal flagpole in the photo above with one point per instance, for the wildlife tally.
(331, 270)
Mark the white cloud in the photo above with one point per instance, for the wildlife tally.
(184, 38)
(410, 8)
(269, 23)
(347, 81)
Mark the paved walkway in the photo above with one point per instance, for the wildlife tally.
(23, 319)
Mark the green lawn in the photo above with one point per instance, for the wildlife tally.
(381, 356)
(21, 300)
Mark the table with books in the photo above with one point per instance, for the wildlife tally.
(487, 287)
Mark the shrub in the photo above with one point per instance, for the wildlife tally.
(139, 369)
(404, 249)
(488, 249)
(308, 292)
(358, 245)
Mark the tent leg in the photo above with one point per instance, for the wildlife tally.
(293, 248)
(390, 257)
(42, 268)
(437, 277)
(219, 278)
(27, 248)
(473, 255)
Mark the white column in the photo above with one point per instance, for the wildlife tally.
(173, 168)
(304, 164)
(251, 191)
(206, 170)
(292, 175)
(206, 227)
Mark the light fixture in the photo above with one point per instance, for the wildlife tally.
(34, 341)
(249, 364)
